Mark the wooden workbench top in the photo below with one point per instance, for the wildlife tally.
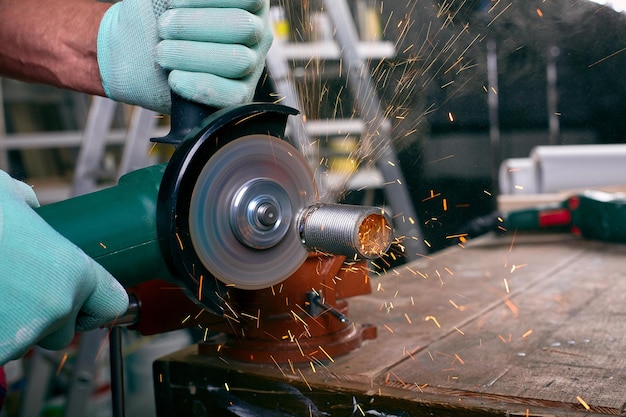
(524, 325)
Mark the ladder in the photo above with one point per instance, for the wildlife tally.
(376, 143)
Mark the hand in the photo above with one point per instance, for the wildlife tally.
(49, 288)
(208, 51)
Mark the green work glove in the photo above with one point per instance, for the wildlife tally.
(207, 51)
(49, 288)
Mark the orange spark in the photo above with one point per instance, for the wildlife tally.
(528, 333)
(62, 363)
(326, 353)
(580, 400)
(539, 12)
(305, 381)
(512, 307)
(180, 242)
(434, 319)
(200, 287)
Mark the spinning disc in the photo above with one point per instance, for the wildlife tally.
(244, 209)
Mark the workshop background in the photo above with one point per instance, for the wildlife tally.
(464, 86)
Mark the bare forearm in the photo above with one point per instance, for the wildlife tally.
(52, 42)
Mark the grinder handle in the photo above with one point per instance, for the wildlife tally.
(184, 117)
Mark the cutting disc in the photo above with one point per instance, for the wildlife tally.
(244, 208)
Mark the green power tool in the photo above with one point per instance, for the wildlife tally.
(592, 214)
(236, 205)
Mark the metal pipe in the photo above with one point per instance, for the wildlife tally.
(341, 229)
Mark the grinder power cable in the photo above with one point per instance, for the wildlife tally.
(235, 206)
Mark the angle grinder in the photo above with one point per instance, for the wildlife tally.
(235, 206)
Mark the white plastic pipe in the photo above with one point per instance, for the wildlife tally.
(552, 169)
(517, 176)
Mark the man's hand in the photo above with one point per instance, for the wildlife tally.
(49, 288)
(208, 51)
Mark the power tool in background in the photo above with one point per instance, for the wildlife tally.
(593, 214)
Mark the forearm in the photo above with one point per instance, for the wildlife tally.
(52, 42)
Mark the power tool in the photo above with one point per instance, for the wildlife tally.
(592, 214)
(236, 206)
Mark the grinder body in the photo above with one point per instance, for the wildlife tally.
(117, 226)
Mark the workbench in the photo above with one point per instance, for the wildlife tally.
(515, 325)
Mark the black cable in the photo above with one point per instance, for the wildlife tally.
(117, 372)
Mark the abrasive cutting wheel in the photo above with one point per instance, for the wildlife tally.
(244, 211)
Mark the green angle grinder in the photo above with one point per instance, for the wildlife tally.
(236, 206)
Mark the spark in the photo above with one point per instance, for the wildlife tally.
(528, 333)
(607, 57)
(499, 14)
(326, 353)
(506, 285)
(434, 319)
(62, 363)
(200, 285)
(445, 204)
(226, 386)
(456, 355)
(512, 307)
(299, 347)
(406, 316)
(305, 381)
(459, 235)
(405, 351)
(389, 329)
(584, 404)
(298, 318)
(459, 330)
(103, 245)
(539, 12)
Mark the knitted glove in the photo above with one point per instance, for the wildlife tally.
(207, 51)
(49, 288)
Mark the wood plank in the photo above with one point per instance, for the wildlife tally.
(561, 345)
(528, 325)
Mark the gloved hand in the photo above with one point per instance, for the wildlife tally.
(49, 288)
(214, 51)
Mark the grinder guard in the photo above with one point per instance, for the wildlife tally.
(179, 181)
